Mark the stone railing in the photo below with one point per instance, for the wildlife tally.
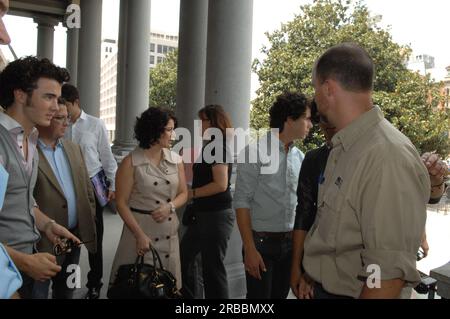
(442, 275)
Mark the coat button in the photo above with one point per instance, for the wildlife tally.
(168, 237)
(155, 183)
(156, 239)
(167, 182)
(167, 256)
(158, 202)
(168, 200)
(64, 206)
(170, 218)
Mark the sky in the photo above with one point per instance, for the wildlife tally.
(418, 23)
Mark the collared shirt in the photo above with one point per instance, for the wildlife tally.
(17, 134)
(60, 165)
(271, 198)
(90, 133)
(371, 208)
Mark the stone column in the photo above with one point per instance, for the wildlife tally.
(45, 36)
(228, 67)
(228, 71)
(191, 61)
(72, 54)
(89, 56)
(191, 86)
(133, 71)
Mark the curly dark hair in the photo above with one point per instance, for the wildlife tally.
(24, 73)
(289, 104)
(150, 126)
(70, 93)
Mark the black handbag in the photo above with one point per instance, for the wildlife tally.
(189, 215)
(144, 281)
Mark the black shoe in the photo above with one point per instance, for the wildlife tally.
(93, 293)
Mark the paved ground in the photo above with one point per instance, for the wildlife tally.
(113, 230)
(438, 230)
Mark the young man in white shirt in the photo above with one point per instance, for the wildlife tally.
(90, 133)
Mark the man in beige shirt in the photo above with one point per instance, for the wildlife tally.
(372, 200)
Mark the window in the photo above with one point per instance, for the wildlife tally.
(165, 48)
(152, 47)
(160, 48)
(160, 59)
(152, 59)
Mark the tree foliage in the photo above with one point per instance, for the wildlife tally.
(163, 82)
(408, 100)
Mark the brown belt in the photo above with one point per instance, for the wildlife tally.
(274, 235)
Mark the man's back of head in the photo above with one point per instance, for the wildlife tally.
(348, 64)
(70, 93)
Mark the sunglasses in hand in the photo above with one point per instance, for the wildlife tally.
(66, 245)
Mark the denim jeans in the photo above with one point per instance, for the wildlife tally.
(275, 282)
(60, 289)
(208, 236)
(26, 291)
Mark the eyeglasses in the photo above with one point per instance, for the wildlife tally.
(62, 119)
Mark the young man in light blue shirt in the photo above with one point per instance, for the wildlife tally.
(265, 201)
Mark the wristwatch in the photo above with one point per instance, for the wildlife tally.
(172, 208)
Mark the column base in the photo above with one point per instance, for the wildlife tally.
(122, 149)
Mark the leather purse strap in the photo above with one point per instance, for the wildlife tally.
(156, 256)
(156, 259)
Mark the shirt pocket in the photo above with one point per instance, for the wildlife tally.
(329, 212)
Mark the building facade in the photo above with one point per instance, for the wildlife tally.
(421, 63)
(160, 45)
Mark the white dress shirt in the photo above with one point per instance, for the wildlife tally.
(90, 133)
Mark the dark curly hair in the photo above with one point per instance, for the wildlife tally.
(70, 93)
(24, 73)
(289, 104)
(150, 126)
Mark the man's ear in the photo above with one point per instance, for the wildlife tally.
(20, 97)
(77, 103)
(289, 121)
(330, 88)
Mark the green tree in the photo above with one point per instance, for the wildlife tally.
(163, 82)
(408, 100)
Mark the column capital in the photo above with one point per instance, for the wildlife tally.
(46, 21)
